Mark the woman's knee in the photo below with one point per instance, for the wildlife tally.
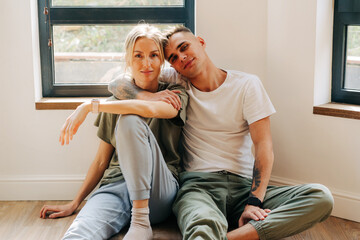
(127, 124)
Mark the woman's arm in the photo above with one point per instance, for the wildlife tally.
(148, 109)
(95, 173)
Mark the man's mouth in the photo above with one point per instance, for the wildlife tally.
(188, 63)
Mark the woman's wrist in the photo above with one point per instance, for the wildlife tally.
(86, 106)
(75, 204)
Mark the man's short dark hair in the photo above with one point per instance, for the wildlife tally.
(176, 29)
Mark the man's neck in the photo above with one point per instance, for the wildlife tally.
(209, 79)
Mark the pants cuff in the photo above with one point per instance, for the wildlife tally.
(259, 229)
(139, 194)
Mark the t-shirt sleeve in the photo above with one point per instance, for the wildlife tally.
(257, 104)
(180, 119)
(106, 123)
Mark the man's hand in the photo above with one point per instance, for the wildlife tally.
(56, 211)
(167, 96)
(252, 213)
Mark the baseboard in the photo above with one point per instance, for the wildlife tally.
(347, 204)
(65, 187)
(41, 187)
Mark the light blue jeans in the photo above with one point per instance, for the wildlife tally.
(146, 175)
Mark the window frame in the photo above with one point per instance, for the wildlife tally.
(97, 15)
(346, 12)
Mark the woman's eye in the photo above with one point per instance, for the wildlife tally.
(138, 56)
(154, 55)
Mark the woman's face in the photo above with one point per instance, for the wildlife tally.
(145, 61)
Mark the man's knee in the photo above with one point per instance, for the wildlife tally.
(197, 220)
(205, 226)
(323, 199)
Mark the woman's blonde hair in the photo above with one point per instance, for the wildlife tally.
(143, 31)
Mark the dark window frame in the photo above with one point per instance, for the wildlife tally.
(99, 15)
(346, 12)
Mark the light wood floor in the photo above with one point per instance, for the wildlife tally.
(20, 220)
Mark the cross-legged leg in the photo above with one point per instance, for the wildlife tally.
(293, 210)
(105, 213)
(200, 212)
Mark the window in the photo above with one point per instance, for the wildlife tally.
(346, 52)
(81, 41)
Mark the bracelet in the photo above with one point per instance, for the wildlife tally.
(95, 105)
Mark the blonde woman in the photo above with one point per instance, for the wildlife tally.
(137, 160)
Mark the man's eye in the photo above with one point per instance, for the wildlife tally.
(184, 47)
(173, 59)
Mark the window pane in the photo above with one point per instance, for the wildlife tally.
(352, 73)
(89, 54)
(107, 3)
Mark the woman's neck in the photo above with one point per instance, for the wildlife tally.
(148, 86)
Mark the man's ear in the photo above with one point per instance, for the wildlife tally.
(202, 41)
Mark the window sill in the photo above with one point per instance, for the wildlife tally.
(338, 110)
(61, 103)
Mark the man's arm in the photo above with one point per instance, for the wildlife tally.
(264, 158)
(125, 88)
(95, 173)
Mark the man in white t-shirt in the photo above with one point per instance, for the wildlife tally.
(224, 191)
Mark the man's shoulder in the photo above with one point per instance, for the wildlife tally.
(241, 78)
(242, 75)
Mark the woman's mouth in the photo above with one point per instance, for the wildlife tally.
(147, 72)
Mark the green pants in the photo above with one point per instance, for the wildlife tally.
(208, 204)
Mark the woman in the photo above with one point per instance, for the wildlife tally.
(142, 139)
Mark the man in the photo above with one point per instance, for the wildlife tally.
(224, 187)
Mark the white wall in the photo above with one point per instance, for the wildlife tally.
(33, 165)
(309, 148)
(286, 43)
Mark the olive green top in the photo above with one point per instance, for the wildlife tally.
(166, 131)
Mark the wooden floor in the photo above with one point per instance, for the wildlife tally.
(20, 220)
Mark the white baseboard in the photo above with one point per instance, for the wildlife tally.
(42, 187)
(347, 204)
(65, 187)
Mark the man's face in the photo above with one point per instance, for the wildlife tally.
(186, 54)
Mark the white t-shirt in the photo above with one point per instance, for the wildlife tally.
(216, 133)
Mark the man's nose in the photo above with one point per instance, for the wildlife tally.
(183, 56)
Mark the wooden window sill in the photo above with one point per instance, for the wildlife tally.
(61, 103)
(338, 110)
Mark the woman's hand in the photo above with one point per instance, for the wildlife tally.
(73, 123)
(56, 211)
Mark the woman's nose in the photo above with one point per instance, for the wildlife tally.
(147, 62)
